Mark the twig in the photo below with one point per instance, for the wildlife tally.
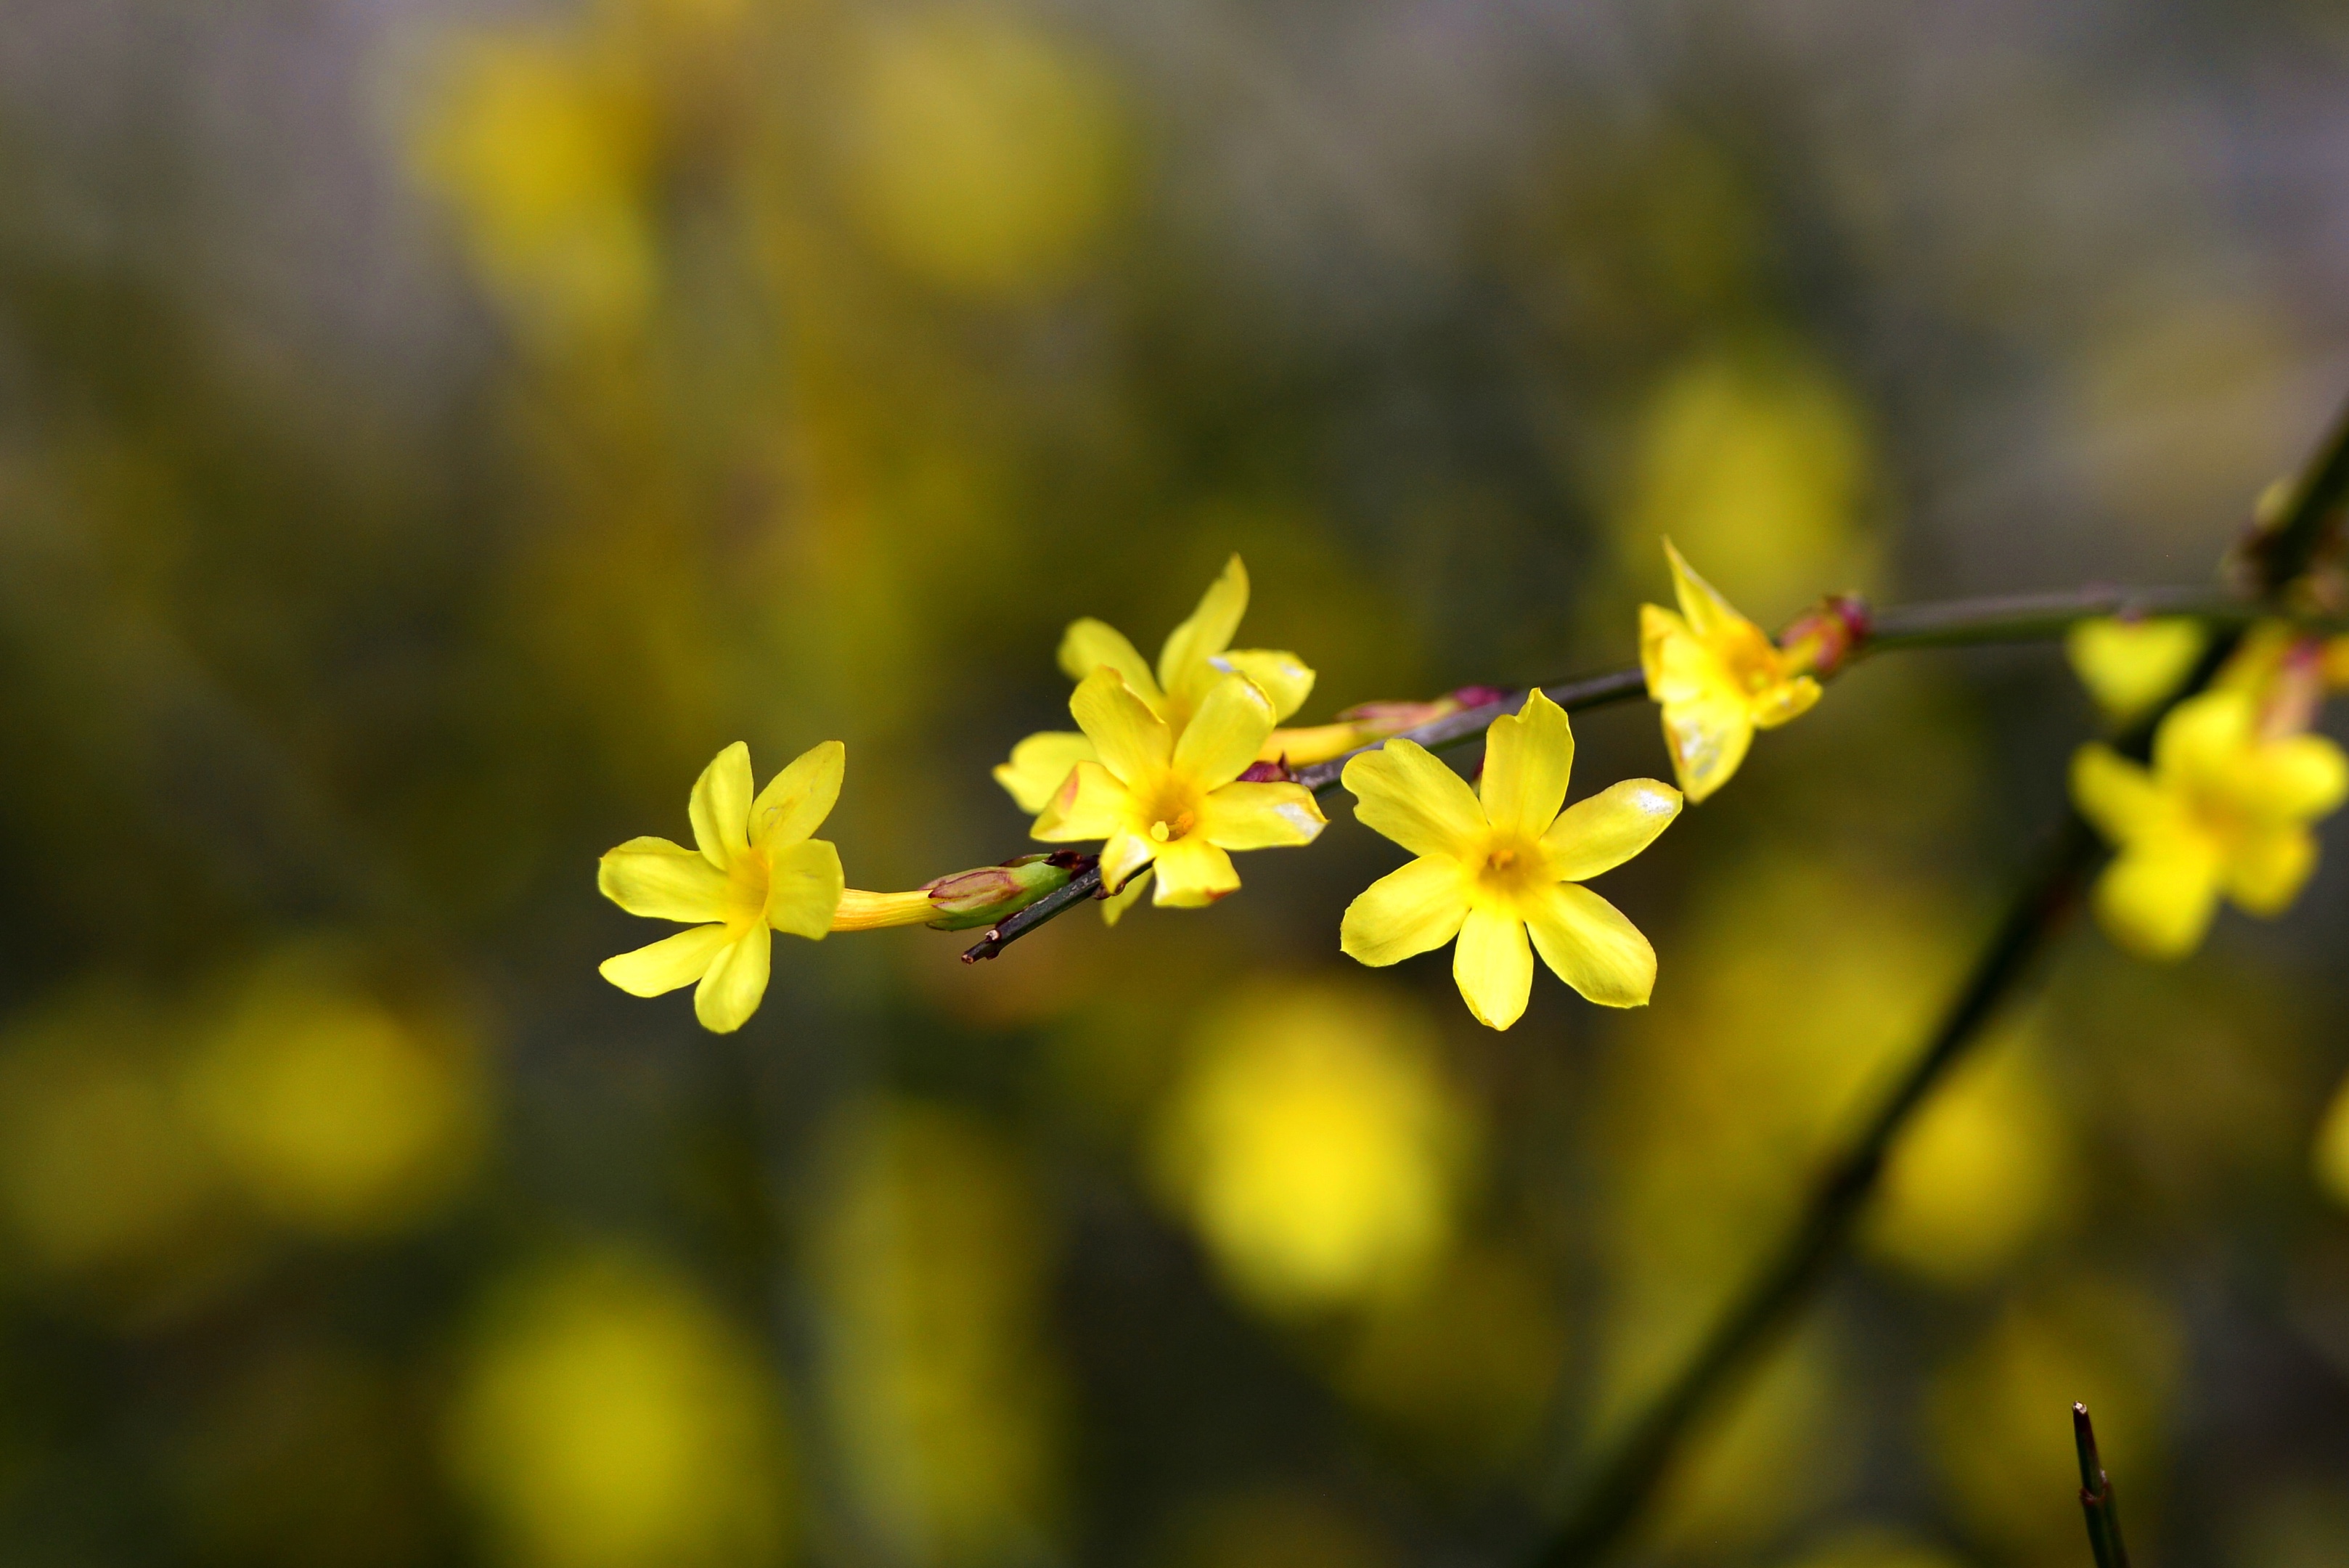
(1622, 1484)
(1954, 622)
(2096, 1496)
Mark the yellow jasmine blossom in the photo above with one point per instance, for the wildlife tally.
(755, 871)
(1718, 677)
(2127, 665)
(1195, 656)
(1500, 861)
(2225, 809)
(1172, 801)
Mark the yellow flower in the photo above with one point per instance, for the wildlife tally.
(1718, 677)
(2127, 665)
(1172, 802)
(756, 870)
(1499, 861)
(2224, 809)
(1196, 655)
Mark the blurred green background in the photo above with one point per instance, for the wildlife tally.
(430, 431)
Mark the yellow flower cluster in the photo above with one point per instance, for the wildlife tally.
(1174, 768)
(2224, 812)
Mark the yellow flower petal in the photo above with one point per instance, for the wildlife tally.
(1039, 765)
(1588, 944)
(1286, 679)
(2298, 778)
(1787, 700)
(1708, 737)
(1133, 742)
(1602, 831)
(1313, 743)
(1411, 910)
(1089, 644)
(2203, 735)
(1528, 755)
(2117, 796)
(1260, 816)
(1092, 803)
(667, 964)
(1181, 661)
(1660, 628)
(736, 982)
(1708, 614)
(1124, 858)
(804, 887)
(797, 800)
(1115, 906)
(1192, 874)
(2266, 871)
(1220, 742)
(720, 806)
(1493, 965)
(2157, 903)
(1406, 795)
(2127, 665)
(664, 881)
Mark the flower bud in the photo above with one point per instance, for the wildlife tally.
(968, 899)
(1821, 638)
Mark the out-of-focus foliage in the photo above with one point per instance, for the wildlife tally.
(1314, 1144)
(1986, 1170)
(606, 1415)
(429, 433)
(932, 1267)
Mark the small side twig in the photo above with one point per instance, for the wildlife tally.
(2096, 1496)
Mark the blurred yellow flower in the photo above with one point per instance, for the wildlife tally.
(2224, 809)
(1500, 860)
(333, 1113)
(1985, 1170)
(1170, 800)
(1195, 655)
(1755, 451)
(1314, 1144)
(607, 1417)
(1718, 677)
(2330, 1157)
(936, 1270)
(984, 152)
(1994, 1414)
(545, 151)
(2127, 665)
(757, 870)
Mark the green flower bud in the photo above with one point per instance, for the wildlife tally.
(991, 893)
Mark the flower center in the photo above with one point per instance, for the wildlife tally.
(746, 890)
(1172, 811)
(1511, 867)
